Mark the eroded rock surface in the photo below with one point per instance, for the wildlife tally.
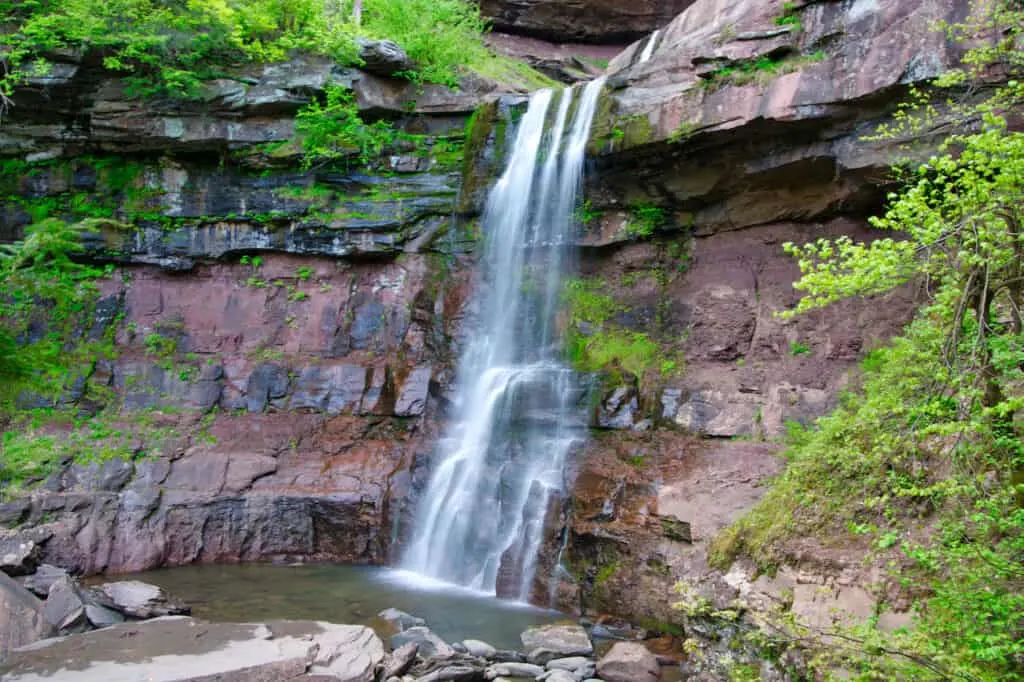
(22, 620)
(180, 649)
(594, 21)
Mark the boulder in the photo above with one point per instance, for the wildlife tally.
(348, 653)
(429, 644)
(102, 617)
(64, 608)
(400, 660)
(479, 649)
(21, 617)
(400, 619)
(383, 57)
(182, 649)
(560, 676)
(18, 555)
(527, 670)
(452, 673)
(629, 662)
(559, 641)
(45, 576)
(579, 666)
(137, 599)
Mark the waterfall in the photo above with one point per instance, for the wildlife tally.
(649, 47)
(517, 405)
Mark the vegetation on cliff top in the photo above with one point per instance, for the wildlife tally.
(166, 49)
(926, 458)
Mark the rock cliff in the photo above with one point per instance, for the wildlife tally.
(286, 337)
(591, 21)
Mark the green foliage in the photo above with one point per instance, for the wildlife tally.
(923, 464)
(46, 298)
(644, 220)
(587, 214)
(335, 131)
(593, 342)
(39, 442)
(759, 70)
(789, 17)
(797, 348)
(167, 49)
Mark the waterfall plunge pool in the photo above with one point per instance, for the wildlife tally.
(344, 594)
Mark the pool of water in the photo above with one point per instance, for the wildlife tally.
(345, 594)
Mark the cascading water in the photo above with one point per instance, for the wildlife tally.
(516, 403)
(652, 42)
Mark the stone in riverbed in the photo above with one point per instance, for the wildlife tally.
(578, 666)
(429, 644)
(348, 653)
(400, 660)
(137, 599)
(527, 670)
(629, 662)
(64, 608)
(560, 640)
(559, 676)
(479, 649)
(452, 673)
(400, 619)
(39, 582)
(21, 617)
(101, 616)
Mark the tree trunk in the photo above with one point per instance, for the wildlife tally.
(357, 12)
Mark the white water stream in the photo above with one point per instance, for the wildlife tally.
(517, 406)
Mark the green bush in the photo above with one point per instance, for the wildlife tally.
(167, 49)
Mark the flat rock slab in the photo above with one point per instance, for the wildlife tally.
(558, 641)
(141, 600)
(180, 649)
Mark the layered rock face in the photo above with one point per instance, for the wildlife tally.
(745, 129)
(328, 361)
(279, 336)
(591, 21)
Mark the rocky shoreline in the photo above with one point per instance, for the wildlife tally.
(53, 627)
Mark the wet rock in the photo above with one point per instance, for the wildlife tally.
(412, 399)
(228, 652)
(629, 662)
(64, 608)
(556, 641)
(14, 512)
(102, 617)
(527, 670)
(451, 673)
(479, 649)
(579, 666)
(508, 656)
(19, 555)
(349, 653)
(45, 576)
(400, 619)
(429, 644)
(21, 617)
(400, 660)
(559, 676)
(619, 409)
(383, 57)
(137, 599)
